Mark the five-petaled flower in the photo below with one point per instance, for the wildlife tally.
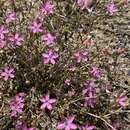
(111, 8)
(81, 56)
(22, 126)
(3, 31)
(35, 27)
(48, 39)
(47, 8)
(90, 88)
(67, 124)
(16, 39)
(49, 57)
(17, 104)
(95, 72)
(10, 17)
(7, 73)
(47, 102)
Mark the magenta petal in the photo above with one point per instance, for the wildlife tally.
(49, 106)
(43, 106)
(70, 119)
(61, 126)
(53, 61)
(52, 101)
(67, 128)
(42, 99)
(73, 126)
(46, 61)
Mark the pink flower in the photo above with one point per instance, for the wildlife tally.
(47, 102)
(2, 43)
(22, 126)
(121, 100)
(3, 31)
(89, 93)
(67, 124)
(90, 101)
(17, 104)
(10, 17)
(81, 56)
(90, 88)
(35, 27)
(49, 57)
(48, 39)
(87, 127)
(95, 72)
(16, 39)
(84, 4)
(111, 8)
(47, 8)
(7, 73)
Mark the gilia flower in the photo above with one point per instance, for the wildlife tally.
(88, 127)
(7, 73)
(95, 72)
(10, 17)
(111, 8)
(48, 39)
(67, 124)
(17, 104)
(16, 39)
(81, 56)
(35, 27)
(90, 88)
(22, 126)
(47, 8)
(49, 57)
(47, 102)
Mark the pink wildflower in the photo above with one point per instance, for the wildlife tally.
(90, 101)
(111, 8)
(7, 73)
(84, 4)
(3, 31)
(10, 17)
(2, 43)
(16, 39)
(121, 100)
(49, 57)
(47, 102)
(47, 8)
(22, 126)
(81, 56)
(90, 88)
(89, 93)
(48, 39)
(35, 27)
(17, 104)
(87, 127)
(95, 72)
(67, 124)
